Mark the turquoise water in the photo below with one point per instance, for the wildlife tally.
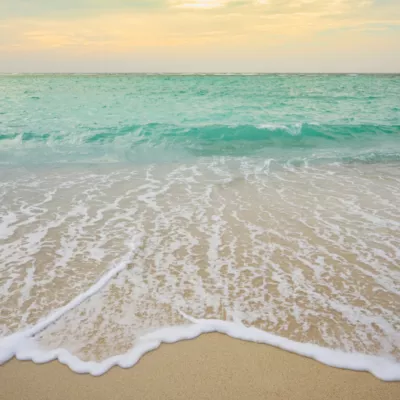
(128, 203)
(130, 118)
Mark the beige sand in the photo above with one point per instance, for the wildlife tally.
(210, 367)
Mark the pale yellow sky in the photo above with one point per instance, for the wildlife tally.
(200, 36)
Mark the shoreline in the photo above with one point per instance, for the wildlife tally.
(210, 366)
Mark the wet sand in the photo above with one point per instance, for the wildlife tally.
(212, 366)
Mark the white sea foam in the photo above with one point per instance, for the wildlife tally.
(293, 129)
(23, 348)
(11, 345)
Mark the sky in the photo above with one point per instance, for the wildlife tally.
(199, 36)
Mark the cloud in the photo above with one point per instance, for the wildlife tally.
(77, 8)
(70, 8)
(204, 4)
(194, 28)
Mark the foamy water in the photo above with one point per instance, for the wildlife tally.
(101, 262)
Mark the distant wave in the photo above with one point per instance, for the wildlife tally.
(211, 140)
(273, 134)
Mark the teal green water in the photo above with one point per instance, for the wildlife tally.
(120, 118)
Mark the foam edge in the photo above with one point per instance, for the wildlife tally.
(27, 349)
(22, 345)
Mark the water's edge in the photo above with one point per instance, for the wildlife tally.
(22, 346)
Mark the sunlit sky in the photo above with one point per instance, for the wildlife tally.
(199, 36)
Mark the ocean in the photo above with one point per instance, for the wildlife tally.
(141, 209)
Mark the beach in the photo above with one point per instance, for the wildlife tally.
(141, 210)
(212, 366)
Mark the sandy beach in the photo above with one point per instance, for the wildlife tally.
(139, 209)
(212, 366)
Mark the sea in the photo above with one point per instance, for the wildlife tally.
(142, 209)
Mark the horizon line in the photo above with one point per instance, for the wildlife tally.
(201, 73)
